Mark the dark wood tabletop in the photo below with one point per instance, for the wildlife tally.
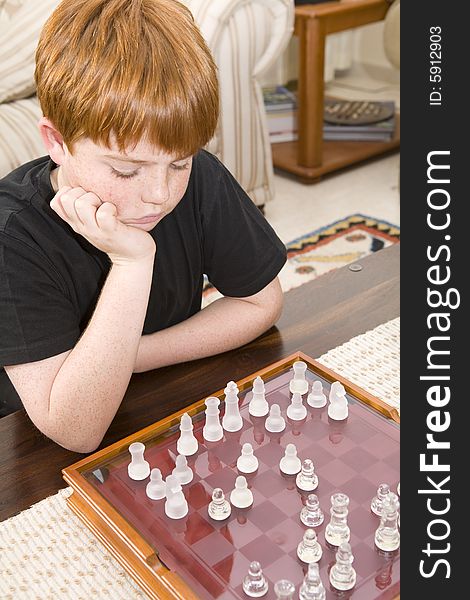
(317, 317)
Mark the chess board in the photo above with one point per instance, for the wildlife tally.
(198, 558)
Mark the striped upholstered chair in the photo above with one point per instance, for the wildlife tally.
(245, 36)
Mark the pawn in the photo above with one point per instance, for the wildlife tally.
(338, 406)
(275, 421)
(219, 508)
(156, 487)
(311, 514)
(312, 587)
(176, 506)
(247, 461)
(241, 496)
(299, 383)
(290, 463)
(309, 549)
(258, 406)
(232, 420)
(307, 480)
(377, 501)
(296, 409)
(187, 443)
(342, 574)
(255, 583)
(138, 468)
(212, 430)
(284, 589)
(387, 536)
(316, 398)
(182, 470)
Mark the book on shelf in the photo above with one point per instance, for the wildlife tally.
(278, 98)
(381, 131)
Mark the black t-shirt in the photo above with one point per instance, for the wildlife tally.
(51, 277)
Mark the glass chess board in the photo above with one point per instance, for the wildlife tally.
(196, 557)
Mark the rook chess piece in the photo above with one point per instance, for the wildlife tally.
(182, 470)
(156, 487)
(176, 506)
(290, 463)
(212, 430)
(299, 383)
(338, 406)
(312, 587)
(309, 549)
(307, 479)
(311, 514)
(316, 398)
(337, 530)
(296, 409)
(387, 536)
(258, 406)
(275, 421)
(284, 589)
(232, 420)
(377, 501)
(241, 496)
(255, 584)
(219, 508)
(342, 574)
(187, 444)
(247, 461)
(138, 468)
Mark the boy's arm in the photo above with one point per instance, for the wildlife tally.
(223, 325)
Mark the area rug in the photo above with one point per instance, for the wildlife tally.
(329, 247)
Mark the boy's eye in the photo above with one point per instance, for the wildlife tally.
(120, 174)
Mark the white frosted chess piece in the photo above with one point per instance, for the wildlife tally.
(258, 406)
(219, 508)
(241, 496)
(176, 506)
(247, 461)
(156, 487)
(338, 406)
(309, 549)
(307, 479)
(342, 574)
(232, 420)
(290, 463)
(182, 470)
(275, 421)
(312, 587)
(398, 488)
(312, 514)
(212, 430)
(296, 409)
(299, 383)
(255, 583)
(187, 443)
(387, 535)
(316, 398)
(337, 531)
(377, 501)
(138, 468)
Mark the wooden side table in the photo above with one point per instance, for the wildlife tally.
(310, 157)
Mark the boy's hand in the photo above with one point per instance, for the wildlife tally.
(96, 221)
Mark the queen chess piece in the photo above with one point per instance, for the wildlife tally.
(138, 469)
(309, 549)
(387, 535)
(312, 587)
(337, 530)
(255, 583)
(307, 479)
(342, 574)
(312, 514)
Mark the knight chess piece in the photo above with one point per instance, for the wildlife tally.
(307, 479)
(342, 574)
(138, 468)
(176, 506)
(337, 530)
(312, 514)
(309, 549)
(187, 443)
(387, 535)
(258, 406)
(338, 403)
(232, 420)
(255, 583)
(212, 430)
(299, 383)
(290, 463)
(377, 501)
(316, 398)
(219, 508)
(312, 587)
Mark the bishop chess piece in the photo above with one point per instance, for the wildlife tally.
(387, 536)
(312, 587)
(241, 496)
(275, 421)
(176, 506)
(156, 487)
(284, 590)
(337, 530)
(309, 549)
(377, 501)
(182, 470)
(138, 468)
(290, 463)
(342, 574)
(255, 583)
(296, 409)
(258, 406)
(187, 443)
(219, 508)
(212, 430)
(247, 461)
(311, 514)
(338, 406)
(299, 383)
(307, 479)
(232, 420)
(316, 398)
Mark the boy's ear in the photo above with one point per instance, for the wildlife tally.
(53, 140)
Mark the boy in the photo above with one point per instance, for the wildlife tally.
(103, 245)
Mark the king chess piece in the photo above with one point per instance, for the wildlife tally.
(187, 443)
(299, 383)
(176, 506)
(232, 420)
(255, 583)
(309, 549)
(219, 508)
(212, 430)
(316, 398)
(387, 536)
(342, 574)
(258, 406)
(311, 514)
(338, 406)
(290, 463)
(337, 530)
(284, 589)
(296, 409)
(156, 487)
(377, 501)
(138, 468)
(307, 479)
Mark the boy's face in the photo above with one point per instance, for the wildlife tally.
(144, 183)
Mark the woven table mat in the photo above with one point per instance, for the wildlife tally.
(46, 553)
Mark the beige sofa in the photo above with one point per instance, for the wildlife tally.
(245, 36)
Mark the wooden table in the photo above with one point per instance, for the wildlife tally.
(310, 157)
(317, 317)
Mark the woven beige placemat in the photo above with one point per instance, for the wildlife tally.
(46, 553)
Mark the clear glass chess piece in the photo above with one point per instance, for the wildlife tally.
(376, 503)
(312, 587)
(312, 514)
(337, 530)
(387, 536)
(284, 589)
(342, 574)
(307, 479)
(309, 549)
(290, 463)
(219, 508)
(255, 584)
(138, 468)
